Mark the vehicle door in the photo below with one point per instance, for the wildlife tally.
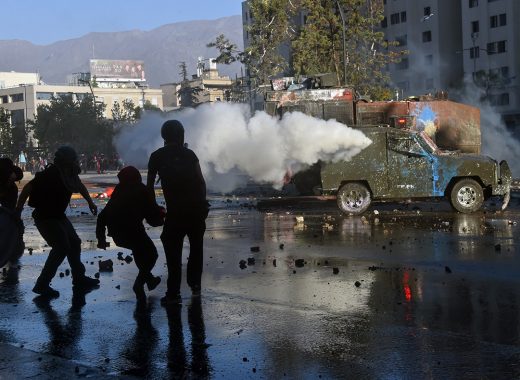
(409, 167)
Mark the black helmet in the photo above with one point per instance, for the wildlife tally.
(172, 130)
(65, 155)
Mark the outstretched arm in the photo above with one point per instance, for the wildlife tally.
(84, 193)
(26, 191)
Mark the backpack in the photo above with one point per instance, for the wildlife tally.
(37, 196)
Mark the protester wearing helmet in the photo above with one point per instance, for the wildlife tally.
(49, 194)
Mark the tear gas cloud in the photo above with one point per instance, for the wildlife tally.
(498, 142)
(234, 147)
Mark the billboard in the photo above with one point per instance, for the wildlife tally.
(108, 70)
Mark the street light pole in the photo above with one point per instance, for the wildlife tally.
(342, 15)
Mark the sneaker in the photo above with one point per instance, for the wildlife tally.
(171, 300)
(45, 291)
(153, 282)
(86, 283)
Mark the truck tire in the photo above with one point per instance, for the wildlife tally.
(353, 198)
(467, 196)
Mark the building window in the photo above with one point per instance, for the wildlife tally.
(429, 83)
(384, 23)
(403, 16)
(499, 99)
(474, 27)
(504, 72)
(17, 97)
(429, 60)
(427, 36)
(394, 18)
(498, 20)
(474, 52)
(2, 83)
(402, 40)
(44, 95)
(4, 99)
(496, 47)
(427, 11)
(402, 65)
(473, 3)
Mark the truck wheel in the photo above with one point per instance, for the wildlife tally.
(353, 198)
(467, 196)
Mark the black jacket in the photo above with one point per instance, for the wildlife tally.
(124, 213)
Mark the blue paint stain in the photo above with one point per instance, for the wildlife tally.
(442, 174)
(424, 115)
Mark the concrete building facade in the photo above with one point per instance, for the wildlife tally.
(491, 45)
(22, 100)
(431, 32)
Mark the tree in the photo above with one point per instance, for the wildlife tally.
(125, 112)
(77, 123)
(6, 133)
(189, 91)
(270, 30)
(318, 48)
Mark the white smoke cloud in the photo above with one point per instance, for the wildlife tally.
(498, 142)
(233, 147)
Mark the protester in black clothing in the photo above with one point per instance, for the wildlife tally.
(9, 174)
(49, 193)
(123, 215)
(11, 226)
(184, 190)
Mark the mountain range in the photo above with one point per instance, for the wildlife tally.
(161, 49)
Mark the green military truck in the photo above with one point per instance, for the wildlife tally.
(403, 164)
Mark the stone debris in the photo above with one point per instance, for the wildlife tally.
(447, 269)
(250, 261)
(30, 251)
(357, 283)
(242, 264)
(128, 259)
(120, 256)
(255, 249)
(62, 274)
(299, 263)
(274, 262)
(498, 247)
(335, 270)
(67, 272)
(282, 246)
(106, 265)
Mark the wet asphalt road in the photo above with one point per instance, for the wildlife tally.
(415, 291)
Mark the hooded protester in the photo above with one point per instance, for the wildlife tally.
(11, 226)
(184, 191)
(49, 194)
(123, 215)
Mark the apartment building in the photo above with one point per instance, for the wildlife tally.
(431, 31)
(491, 45)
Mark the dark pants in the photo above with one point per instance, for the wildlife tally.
(144, 252)
(62, 238)
(174, 231)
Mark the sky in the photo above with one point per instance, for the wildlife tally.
(43, 22)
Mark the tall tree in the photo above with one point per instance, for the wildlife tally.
(77, 123)
(270, 31)
(318, 48)
(6, 133)
(189, 91)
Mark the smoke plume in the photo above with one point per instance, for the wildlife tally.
(234, 147)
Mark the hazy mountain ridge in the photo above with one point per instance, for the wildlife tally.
(161, 49)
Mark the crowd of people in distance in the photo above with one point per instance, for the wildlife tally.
(96, 162)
